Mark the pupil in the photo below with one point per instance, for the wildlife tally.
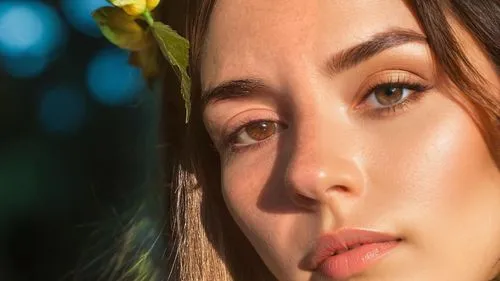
(389, 95)
(260, 130)
(390, 91)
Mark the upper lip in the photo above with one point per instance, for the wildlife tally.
(345, 239)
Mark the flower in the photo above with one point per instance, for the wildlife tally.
(120, 28)
(152, 4)
(131, 7)
(120, 25)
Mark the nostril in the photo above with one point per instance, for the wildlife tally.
(303, 200)
(340, 188)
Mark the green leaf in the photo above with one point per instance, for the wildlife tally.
(120, 28)
(175, 49)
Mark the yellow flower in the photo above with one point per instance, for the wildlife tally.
(134, 9)
(121, 29)
(151, 4)
(131, 7)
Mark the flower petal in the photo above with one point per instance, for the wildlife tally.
(120, 28)
(152, 4)
(131, 7)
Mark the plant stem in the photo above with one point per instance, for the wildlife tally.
(149, 19)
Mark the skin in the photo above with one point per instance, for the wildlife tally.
(422, 173)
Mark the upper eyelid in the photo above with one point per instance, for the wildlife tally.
(248, 116)
(386, 77)
(235, 131)
(279, 131)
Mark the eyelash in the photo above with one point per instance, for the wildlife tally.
(230, 140)
(377, 113)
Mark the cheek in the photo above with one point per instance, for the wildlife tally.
(433, 158)
(436, 179)
(255, 198)
(244, 180)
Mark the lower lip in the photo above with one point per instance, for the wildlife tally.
(347, 264)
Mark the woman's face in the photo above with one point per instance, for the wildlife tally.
(343, 154)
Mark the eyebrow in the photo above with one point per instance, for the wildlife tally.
(379, 42)
(339, 62)
(233, 89)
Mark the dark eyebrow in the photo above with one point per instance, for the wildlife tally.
(339, 62)
(233, 89)
(379, 42)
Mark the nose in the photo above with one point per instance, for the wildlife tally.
(323, 167)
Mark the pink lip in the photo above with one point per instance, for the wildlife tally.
(350, 251)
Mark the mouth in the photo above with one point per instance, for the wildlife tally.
(351, 251)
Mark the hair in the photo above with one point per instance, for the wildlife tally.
(203, 241)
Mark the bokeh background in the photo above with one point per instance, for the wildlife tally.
(77, 128)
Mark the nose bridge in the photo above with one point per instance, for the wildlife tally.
(322, 160)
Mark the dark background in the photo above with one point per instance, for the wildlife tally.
(77, 129)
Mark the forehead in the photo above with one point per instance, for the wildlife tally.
(261, 38)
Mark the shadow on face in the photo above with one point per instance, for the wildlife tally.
(331, 115)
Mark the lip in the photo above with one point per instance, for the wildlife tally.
(350, 251)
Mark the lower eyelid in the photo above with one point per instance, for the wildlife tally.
(237, 148)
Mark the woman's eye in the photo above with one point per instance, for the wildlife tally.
(388, 95)
(256, 132)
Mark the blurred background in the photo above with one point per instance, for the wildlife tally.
(77, 128)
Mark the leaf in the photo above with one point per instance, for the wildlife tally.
(120, 28)
(175, 49)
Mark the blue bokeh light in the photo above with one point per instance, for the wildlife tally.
(25, 66)
(31, 33)
(62, 110)
(112, 80)
(22, 30)
(79, 14)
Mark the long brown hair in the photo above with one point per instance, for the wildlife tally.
(204, 241)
